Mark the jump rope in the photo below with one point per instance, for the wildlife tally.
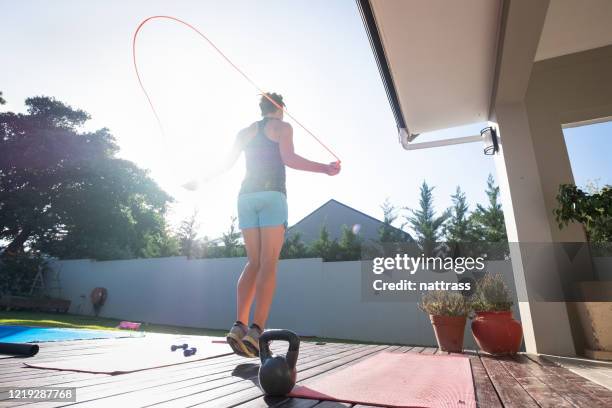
(229, 61)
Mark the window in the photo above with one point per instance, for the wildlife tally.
(590, 152)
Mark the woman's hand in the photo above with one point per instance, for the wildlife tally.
(333, 168)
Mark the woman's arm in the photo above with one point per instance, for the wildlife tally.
(295, 161)
(234, 153)
(227, 163)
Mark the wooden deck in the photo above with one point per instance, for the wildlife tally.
(228, 381)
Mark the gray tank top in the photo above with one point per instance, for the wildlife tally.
(265, 170)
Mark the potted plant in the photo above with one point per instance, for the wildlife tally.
(447, 311)
(494, 328)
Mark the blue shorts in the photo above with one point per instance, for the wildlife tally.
(262, 209)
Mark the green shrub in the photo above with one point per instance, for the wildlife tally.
(294, 248)
(593, 211)
(445, 303)
(17, 272)
(492, 294)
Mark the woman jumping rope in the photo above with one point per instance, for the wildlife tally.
(262, 214)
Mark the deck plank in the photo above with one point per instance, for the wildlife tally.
(295, 403)
(262, 401)
(69, 373)
(486, 396)
(55, 380)
(190, 378)
(252, 395)
(577, 388)
(511, 393)
(522, 381)
(215, 371)
(541, 392)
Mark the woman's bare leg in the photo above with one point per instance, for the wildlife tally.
(245, 291)
(271, 239)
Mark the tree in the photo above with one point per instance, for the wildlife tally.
(231, 242)
(457, 228)
(17, 273)
(387, 232)
(209, 248)
(161, 244)
(426, 225)
(349, 245)
(593, 210)
(325, 247)
(187, 235)
(488, 222)
(66, 193)
(294, 248)
(227, 246)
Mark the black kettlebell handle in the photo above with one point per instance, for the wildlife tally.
(283, 335)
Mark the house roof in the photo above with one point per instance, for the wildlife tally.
(361, 214)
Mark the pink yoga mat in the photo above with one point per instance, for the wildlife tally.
(131, 358)
(397, 380)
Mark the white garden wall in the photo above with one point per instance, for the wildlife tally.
(312, 297)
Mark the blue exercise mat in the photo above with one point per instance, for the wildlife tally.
(28, 334)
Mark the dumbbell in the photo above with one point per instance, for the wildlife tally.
(180, 346)
(190, 352)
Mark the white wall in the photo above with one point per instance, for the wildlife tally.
(313, 297)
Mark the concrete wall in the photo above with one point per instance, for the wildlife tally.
(546, 325)
(571, 89)
(567, 90)
(603, 266)
(313, 297)
(531, 104)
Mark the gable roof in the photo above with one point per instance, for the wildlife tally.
(357, 212)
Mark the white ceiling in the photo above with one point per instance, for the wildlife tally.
(575, 25)
(442, 56)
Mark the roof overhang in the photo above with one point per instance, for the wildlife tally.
(572, 26)
(437, 58)
(450, 63)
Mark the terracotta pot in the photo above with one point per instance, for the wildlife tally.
(497, 332)
(449, 332)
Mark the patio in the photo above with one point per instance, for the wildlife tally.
(227, 381)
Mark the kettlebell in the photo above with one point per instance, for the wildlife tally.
(277, 374)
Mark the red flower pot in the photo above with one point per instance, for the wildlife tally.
(497, 332)
(449, 332)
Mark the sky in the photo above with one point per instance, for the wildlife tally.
(589, 150)
(314, 52)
